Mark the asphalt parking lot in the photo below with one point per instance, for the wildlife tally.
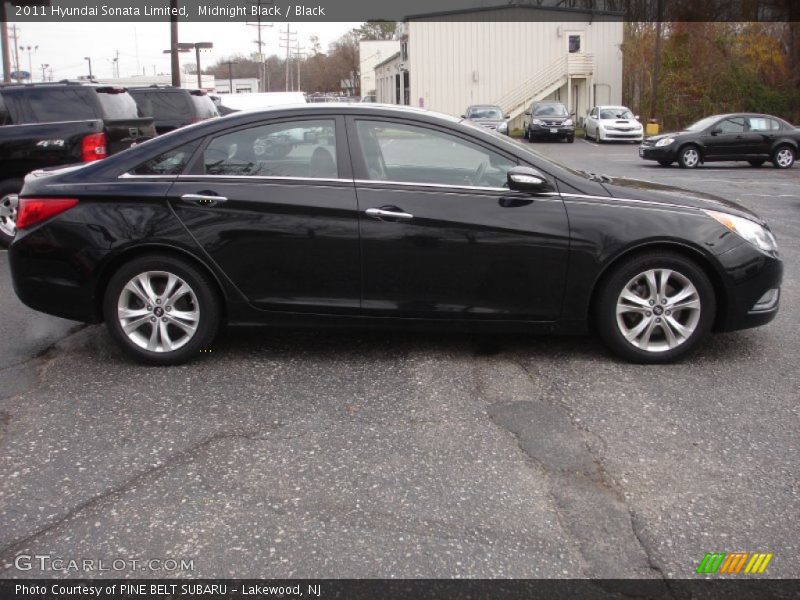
(351, 454)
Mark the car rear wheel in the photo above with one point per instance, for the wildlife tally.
(689, 157)
(655, 308)
(161, 310)
(756, 162)
(9, 201)
(783, 157)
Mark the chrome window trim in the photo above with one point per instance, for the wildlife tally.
(238, 177)
(432, 185)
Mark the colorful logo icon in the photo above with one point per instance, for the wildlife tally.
(751, 563)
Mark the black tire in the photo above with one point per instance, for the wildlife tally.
(205, 300)
(779, 153)
(665, 163)
(8, 209)
(756, 162)
(571, 139)
(689, 157)
(606, 318)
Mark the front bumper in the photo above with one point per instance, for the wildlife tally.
(754, 276)
(552, 131)
(631, 136)
(658, 153)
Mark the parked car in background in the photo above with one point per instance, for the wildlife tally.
(369, 98)
(487, 115)
(754, 138)
(172, 108)
(51, 124)
(381, 216)
(549, 120)
(613, 123)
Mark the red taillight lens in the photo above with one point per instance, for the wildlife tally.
(93, 147)
(35, 210)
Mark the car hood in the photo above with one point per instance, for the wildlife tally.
(488, 121)
(619, 122)
(661, 136)
(647, 191)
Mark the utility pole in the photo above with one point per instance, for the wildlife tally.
(175, 66)
(44, 71)
(15, 35)
(30, 50)
(230, 64)
(656, 60)
(260, 43)
(298, 55)
(287, 40)
(4, 42)
(89, 59)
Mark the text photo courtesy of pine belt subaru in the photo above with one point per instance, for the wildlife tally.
(737, 137)
(381, 216)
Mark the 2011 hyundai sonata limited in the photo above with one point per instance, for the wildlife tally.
(366, 214)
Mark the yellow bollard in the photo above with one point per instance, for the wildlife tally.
(651, 129)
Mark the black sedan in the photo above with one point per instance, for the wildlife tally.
(392, 217)
(746, 137)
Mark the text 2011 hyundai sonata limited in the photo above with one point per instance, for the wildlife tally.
(366, 214)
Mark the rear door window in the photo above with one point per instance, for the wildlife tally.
(305, 149)
(172, 162)
(118, 105)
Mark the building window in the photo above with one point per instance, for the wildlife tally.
(574, 41)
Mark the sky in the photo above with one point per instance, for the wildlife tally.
(64, 45)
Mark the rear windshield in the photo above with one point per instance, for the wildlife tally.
(163, 106)
(118, 105)
(48, 105)
(550, 110)
(204, 107)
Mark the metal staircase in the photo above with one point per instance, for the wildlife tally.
(559, 72)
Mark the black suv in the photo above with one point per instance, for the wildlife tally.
(51, 124)
(549, 120)
(172, 108)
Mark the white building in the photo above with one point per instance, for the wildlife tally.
(243, 85)
(372, 53)
(508, 56)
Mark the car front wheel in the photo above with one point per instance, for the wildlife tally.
(655, 308)
(689, 157)
(161, 310)
(783, 157)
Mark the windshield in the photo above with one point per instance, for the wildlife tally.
(616, 113)
(550, 110)
(703, 124)
(485, 112)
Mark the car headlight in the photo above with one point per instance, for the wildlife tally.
(502, 127)
(568, 122)
(664, 142)
(537, 121)
(759, 236)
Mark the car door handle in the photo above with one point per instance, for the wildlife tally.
(203, 198)
(395, 213)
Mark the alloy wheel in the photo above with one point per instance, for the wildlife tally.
(784, 157)
(658, 310)
(690, 157)
(8, 214)
(158, 311)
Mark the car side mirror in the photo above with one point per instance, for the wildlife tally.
(463, 116)
(716, 131)
(636, 117)
(528, 113)
(506, 117)
(526, 179)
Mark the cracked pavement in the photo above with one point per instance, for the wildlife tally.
(357, 454)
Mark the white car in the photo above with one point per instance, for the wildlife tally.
(611, 123)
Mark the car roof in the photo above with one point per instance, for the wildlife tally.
(348, 108)
(483, 106)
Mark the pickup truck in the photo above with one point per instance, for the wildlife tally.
(48, 125)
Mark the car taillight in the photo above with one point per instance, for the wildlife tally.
(35, 210)
(93, 147)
